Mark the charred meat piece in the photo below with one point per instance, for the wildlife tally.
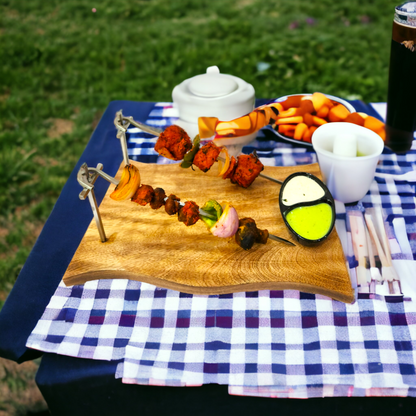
(206, 156)
(189, 213)
(248, 168)
(230, 169)
(172, 204)
(143, 195)
(158, 198)
(248, 234)
(173, 143)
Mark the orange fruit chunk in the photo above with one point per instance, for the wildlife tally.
(338, 113)
(289, 120)
(300, 131)
(355, 118)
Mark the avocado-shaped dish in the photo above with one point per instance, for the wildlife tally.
(307, 208)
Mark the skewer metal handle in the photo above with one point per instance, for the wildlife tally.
(123, 141)
(144, 127)
(122, 124)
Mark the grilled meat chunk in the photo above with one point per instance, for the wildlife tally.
(206, 156)
(172, 204)
(248, 168)
(173, 143)
(158, 198)
(143, 195)
(189, 213)
(248, 234)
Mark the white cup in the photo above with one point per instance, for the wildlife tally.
(347, 178)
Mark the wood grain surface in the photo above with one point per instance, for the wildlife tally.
(151, 246)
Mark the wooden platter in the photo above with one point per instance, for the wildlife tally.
(151, 246)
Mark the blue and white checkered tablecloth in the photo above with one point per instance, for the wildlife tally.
(265, 343)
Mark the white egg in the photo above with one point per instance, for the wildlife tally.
(345, 144)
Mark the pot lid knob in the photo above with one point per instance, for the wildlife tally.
(213, 70)
(212, 84)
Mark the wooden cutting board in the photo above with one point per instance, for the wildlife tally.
(151, 246)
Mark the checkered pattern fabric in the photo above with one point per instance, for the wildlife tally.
(265, 343)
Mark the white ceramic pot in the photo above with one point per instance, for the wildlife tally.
(212, 95)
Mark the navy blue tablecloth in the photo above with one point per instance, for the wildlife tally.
(64, 230)
(74, 386)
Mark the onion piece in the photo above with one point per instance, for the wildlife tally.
(227, 225)
(128, 185)
(223, 164)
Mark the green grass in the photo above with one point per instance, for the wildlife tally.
(19, 395)
(61, 64)
(60, 61)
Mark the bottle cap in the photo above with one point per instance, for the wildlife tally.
(405, 14)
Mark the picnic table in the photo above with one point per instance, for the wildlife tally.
(118, 346)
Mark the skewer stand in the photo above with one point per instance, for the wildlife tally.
(87, 176)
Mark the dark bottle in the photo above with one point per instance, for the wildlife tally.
(401, 99)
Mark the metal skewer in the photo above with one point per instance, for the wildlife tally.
(281, 240)
(88, 175)
(106, 176)
(270, 178)
(147, 129)
(120, 122)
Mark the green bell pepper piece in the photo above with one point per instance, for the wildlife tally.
(214, 210)
(189, 157)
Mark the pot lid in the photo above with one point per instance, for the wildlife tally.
(212, 84)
